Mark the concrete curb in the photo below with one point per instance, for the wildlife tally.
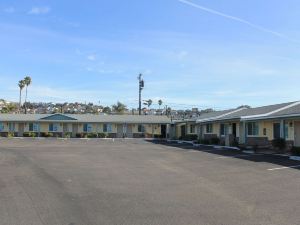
(200, 145)
(293, 157)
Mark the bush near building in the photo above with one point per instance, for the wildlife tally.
(279, 143)
(190, 137)
(295, 151)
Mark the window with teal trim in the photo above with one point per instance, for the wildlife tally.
(1, 126)
(87, 127)
(252, 129)
(286, 131)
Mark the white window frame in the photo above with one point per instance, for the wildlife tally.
(1, 126)
(55, 127)
(254, 129)
(108, 128)
(192, 128)
(141, 128)
(209, 128)
(223, 132)
(89, 127)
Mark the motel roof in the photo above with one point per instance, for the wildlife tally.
(85, 118)
(265, 112)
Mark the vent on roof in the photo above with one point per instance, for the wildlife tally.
(58, 117)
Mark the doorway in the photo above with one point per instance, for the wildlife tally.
(276, 130)
(297, 134)
(163, 129)
(234, 130)
(183, 131)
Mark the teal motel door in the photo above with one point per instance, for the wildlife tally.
(276, 130)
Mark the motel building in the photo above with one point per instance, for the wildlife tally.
(245, 126)
(84, 125)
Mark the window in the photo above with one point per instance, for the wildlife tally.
(107, 128)
(11, 127)
(192, 129)
(141, 128)
(53, 127)
(224, 129)
(253, 129)
(87, 127)
(1, 127)
(286, 131)
(33, 127)
(209, 128)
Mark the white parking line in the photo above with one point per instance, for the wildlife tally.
(240, 155)
(284, 167)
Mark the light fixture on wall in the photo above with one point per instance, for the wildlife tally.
(291, 124)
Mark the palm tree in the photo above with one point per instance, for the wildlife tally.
(148, 103)
(21, 86)
(27, 81)
(119, 108)
(160, 102)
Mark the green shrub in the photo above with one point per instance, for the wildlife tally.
(102, 135)
(158, 136)
(68, 135)
(214, 141)
(190, 137)
(234, 143)
(29, 134)
(204, 141)
(79, 135)
(295, 151)
(279, 143)
(92, 135)
(10, 134)
(46, 134)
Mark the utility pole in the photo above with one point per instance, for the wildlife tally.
(141, 86)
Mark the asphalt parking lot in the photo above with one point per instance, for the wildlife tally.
(134, 182)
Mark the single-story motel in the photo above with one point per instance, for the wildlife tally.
(246, 126)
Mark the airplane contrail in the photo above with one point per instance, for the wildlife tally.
(258, 27)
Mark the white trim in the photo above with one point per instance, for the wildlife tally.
(220, 116)
(269, 113)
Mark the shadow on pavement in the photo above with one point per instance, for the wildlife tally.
(281, 161)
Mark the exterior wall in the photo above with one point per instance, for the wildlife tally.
(189, 124)
(149, 129)
(215, 130)
(178, 129)
(6, 127)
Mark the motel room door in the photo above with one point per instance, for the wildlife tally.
(276, 130)
(129, 133)
(21, 129)
(120, 130)
(74, 129)
(183, 130)
(297, 134)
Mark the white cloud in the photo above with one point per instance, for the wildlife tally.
(91, 57)
(39, 10)
(240, 20)
(10, 10)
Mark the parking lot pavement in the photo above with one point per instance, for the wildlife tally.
(86, 182)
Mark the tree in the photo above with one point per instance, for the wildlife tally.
(160, 102)
(21, 86)
(9, 108)
(27, 81)
(107, 110)
(119, 108)
(168, 111)
(148, 103)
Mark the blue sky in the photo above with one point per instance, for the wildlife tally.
(193, 53)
